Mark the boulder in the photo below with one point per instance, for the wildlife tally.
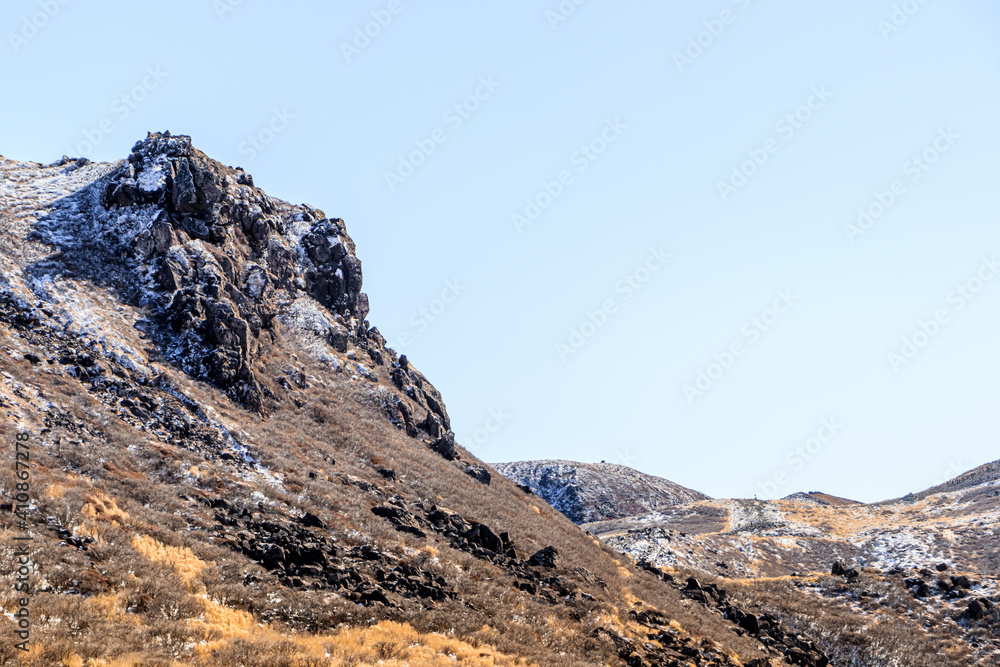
(479, 473)
(546, 557)
(445, 445)
(310, 520)
(976, 610)
(840, 569)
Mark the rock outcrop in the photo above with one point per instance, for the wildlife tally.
(221, 267)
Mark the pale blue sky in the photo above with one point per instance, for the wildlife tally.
(344, 120)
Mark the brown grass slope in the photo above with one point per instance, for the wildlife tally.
(185, 518)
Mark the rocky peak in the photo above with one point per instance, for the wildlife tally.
(222, 272)
(216, 256)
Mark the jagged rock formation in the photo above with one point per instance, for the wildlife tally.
(597, 492)
(219, 266)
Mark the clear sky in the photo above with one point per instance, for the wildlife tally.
(625, 195)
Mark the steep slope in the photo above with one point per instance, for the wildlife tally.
(227, 465)
(587, 492)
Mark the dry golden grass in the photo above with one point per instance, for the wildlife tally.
(182, 560)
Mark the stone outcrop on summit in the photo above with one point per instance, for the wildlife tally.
(220, 267)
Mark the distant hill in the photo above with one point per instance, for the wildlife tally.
(822, 499)
(588, 492)
(989, 472)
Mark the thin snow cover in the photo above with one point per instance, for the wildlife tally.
(10, 275)
(595, 492)
(312, 323)
(153, 179)
(208, 416)
(33, 192)
(256, 282)
(87, 313)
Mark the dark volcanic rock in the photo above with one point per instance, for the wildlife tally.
(218, 269)
(840, 569)
(218, 251)
(544, 557)
(479, 473)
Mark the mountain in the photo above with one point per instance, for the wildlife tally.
(984, 474)
(215, 459)
(926, 566)
(587, 492)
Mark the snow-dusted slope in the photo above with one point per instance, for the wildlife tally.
(773, 538)
(587, 492)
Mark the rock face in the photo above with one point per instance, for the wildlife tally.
(218, 255)
(597, 492)
(220, 267)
